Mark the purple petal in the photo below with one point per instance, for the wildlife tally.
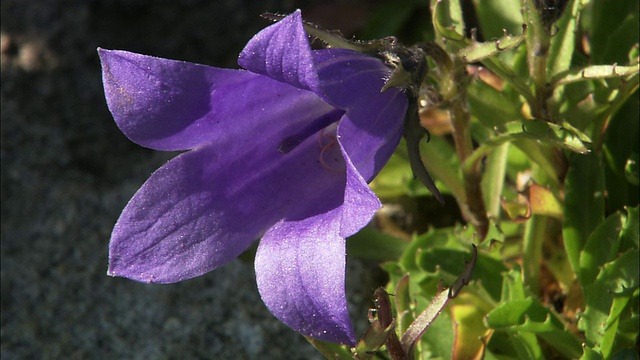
(359, 202)
(173, 105)
(371, 133)
(206, 206)
(348, 78)
(282, 52)
(300, 265)
(159, 103)
(372, 127)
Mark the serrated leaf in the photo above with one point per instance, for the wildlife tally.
(601, 247)
(495, 234)
(432, 238)
(518, 312)
(592, 321)
(528, 315)
(611, 326)
(590, 354)
(448, 264)
(630, 234)
(512, 286)
(621, 275)
(618, 278)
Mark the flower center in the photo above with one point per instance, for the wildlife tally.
(291, 142)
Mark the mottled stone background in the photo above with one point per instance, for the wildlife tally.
(67, 172)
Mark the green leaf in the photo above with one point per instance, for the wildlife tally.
(618, 278)
(547, 132)
(443, 164)
(584, 204)
(563, 42)
(590, 354)
(601, 247)
(614, 29)
(439, 337)
(512, 286)
(331, 351)
(528, 315)
(611, 326)
(469, 330)
(449, 263)
(621, 275)
(526, 346)
(434, 238)
(372, 244)
(491, 107)
(395, 176)
(496, 15)
(373, 339)
(403, 304)
(520, 312)
(630, 235)
(541, 131)
(493, 180)
(621, 142)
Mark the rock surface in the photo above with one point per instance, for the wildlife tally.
(67, 172)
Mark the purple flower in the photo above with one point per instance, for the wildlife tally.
(281, 151)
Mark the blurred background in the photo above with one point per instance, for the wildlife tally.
(67, 172)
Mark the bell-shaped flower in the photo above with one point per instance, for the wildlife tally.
(281, 151)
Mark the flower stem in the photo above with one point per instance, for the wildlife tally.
(538, 44)
(534, 235)
(473, 207)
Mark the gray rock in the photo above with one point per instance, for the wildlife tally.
(67, 172)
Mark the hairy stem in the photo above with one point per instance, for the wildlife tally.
(473, 208)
